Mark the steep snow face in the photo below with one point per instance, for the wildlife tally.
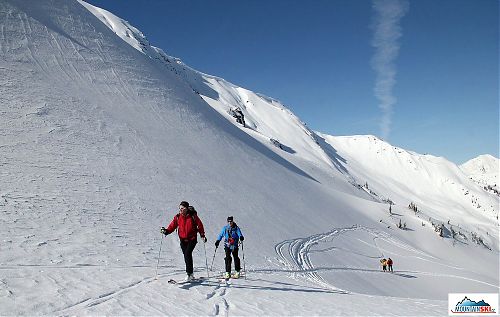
(483, 169)
(101, 138)
(267, 119)
(122, 28)
(434, 184)
(102, 128)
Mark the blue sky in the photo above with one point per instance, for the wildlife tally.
(317, 58)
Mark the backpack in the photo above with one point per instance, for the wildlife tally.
(193, 213)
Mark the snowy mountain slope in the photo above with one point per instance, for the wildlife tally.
(438, 187)
(484, 170)
(266, 118)
(99, 145)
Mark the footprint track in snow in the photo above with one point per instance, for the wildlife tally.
(220, 290)
(217, 308)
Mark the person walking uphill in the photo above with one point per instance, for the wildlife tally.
(383, 262)
(231, 234)
(188, 224)
(389, 264)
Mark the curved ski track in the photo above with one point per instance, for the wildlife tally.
(294, 254)
(298, 256)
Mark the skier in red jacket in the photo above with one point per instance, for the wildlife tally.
(187, 224)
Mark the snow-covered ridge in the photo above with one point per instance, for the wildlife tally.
(393, 173)
(267, 119)
(428, 180)
(483, 169)
(122, 28)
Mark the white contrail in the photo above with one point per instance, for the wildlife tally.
(388, 14)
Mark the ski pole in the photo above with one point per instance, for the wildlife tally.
(212, 265)
(206, 260)
(157, 263)
(243, 251)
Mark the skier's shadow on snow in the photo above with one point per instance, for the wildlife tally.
(285, 287)
(405, 275)
(353, 269)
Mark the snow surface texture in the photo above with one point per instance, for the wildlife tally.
(102, 135)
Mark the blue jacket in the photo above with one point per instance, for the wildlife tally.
(231, 236)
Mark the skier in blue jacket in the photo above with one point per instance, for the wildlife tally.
(231, 234)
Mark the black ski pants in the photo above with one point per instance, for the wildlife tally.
(187, 247)
(228, 259)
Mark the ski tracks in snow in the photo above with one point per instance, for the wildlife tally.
(221, 307)
(216, 299)
(295, 254)
(102, 298)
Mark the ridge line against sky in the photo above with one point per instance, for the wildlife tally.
(318, 59)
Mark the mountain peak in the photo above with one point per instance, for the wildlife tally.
(484, 170)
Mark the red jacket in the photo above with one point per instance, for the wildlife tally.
(187, 228)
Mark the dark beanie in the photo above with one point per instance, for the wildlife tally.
(230, 218)
(184, 204)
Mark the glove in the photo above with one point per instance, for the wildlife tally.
(242, 238)
(217, 243)
(164, 231)
(204, 239)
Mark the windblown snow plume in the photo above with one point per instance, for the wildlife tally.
(388, 14)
